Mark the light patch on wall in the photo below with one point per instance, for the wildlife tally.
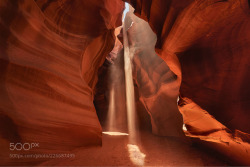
(184, 128)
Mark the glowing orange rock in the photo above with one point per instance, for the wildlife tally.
(50, 52)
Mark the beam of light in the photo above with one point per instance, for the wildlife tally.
(135, 155)
(115, 133)
(130, 98)
(111, 121)
(111, 110)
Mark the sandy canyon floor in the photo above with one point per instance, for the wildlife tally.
(150, 150)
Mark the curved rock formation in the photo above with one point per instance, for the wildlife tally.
(203, 34)
(50, 52)
(205, 45)
(156, 82)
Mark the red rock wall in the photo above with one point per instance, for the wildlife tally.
(211, 40)
(157, 85)
(50, 52)
(205, 45)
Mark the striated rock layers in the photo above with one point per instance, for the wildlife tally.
(210, 39)
(205, 45)
(50, 52)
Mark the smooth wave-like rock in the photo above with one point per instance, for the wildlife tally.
(210, 40)
(50, 52)
(205, 45)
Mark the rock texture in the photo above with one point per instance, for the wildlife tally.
(155, 81)
(211, 41)
(50, 52)
(110, 91)
(205, 45)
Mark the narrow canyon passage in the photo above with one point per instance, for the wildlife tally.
(127, 136)
(102, 83)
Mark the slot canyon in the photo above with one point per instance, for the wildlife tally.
(124, 83)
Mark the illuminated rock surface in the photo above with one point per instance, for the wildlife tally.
(206, 45)
(50, 53)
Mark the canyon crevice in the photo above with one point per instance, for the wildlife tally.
(190, 71)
